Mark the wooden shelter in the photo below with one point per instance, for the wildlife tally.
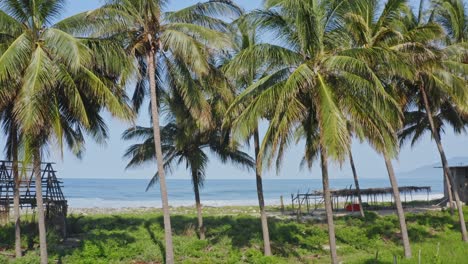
(372, 197)
(55, 203)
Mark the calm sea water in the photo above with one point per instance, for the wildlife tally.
(118, 193)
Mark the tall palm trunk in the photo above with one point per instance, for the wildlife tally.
(449, 192)
(328, 205)
(196, 189)
(159, 157)
(356, 182)
(16, 191)
(436, 137)
(40, 206)
(261, 201)
(399, 206)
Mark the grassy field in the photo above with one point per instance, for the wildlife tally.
(234, 236)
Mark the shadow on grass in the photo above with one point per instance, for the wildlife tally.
(99, 241)
(242, 231)
(289, 239)
(374, 261)
(245, 231)
(157, 242)
(439, 222)
(421, 226)
(286, 236)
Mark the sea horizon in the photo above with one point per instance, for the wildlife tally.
(130, 193)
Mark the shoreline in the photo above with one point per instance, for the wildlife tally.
(228, 208)
(184, 210)
(79, 204)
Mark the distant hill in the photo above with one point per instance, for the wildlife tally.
(432, 171)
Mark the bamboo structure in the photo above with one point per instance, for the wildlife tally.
(312, 200)
(54, 200)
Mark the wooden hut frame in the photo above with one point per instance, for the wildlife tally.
(371, 195)
(55, 203)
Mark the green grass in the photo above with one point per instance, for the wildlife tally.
(234, 236)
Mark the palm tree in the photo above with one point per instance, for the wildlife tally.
(245, 37)
(439, 78)
(428, 81)
(11, 149)
(356, 182)
(61, 83)
(417, 124)
(185, 142)
(389, 32)
(156, 38)
(72, 135)
(315, 86)
(453, 17)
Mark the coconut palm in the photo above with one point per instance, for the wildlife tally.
(403, 34)
(439, 78)
(430, 81)
(373, 34)
(11, 149)
(356, 182)
(246, 37)
(450, 15)
(60, 82)
(185, 142)
(453, 17)
(417, 124)
(312, 91)
(355, 176)
(155, 37)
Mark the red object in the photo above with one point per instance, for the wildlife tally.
(352, 207)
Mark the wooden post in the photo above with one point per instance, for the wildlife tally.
(282, 204)
(299, 210)
(292, 201)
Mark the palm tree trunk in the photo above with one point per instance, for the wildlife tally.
(159, 157)
(449, 192)
(399, 206)
(356, 182)
(328, 205)
(40, 206)
(436, 137)
(16, 193)
(261, 201)
(196, 189)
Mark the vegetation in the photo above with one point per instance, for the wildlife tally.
(184, 142)
(54, 86)
(235, 237)
(246, 36)
(171, 44)
(321, 72)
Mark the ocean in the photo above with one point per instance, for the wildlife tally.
(130, 193)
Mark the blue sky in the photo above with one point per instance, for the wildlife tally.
(106, 161)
